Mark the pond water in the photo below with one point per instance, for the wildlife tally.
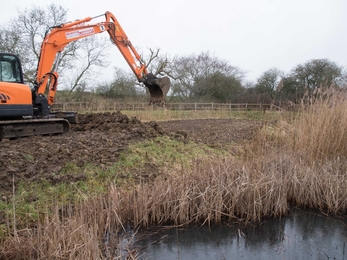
(300, 235)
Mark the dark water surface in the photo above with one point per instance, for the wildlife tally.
(300, 235)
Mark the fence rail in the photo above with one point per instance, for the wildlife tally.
(136, 106)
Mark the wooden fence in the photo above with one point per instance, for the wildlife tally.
(139, 106)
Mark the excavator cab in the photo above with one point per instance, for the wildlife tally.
(10, 68)
(15, 96)
(17, 111)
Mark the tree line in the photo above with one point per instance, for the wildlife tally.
(199, 77)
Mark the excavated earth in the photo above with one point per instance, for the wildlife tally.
(99, 139)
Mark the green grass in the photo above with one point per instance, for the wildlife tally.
(162, 155)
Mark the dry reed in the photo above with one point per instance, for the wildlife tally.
(209, 193)
(321, 128)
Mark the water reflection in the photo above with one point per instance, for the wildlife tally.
(300, 235)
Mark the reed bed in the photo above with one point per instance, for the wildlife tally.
(229, 191)
(210, 193)
(321, 128)
(67, 233)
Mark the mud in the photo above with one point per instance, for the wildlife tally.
(99, 139)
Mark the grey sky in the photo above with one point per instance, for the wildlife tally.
(254, 35)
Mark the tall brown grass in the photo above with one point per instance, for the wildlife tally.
(321, 128)
(300, 161)
(210, 193)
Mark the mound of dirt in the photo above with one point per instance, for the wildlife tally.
(99, 139)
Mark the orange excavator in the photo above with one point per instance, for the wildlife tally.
(26, 112)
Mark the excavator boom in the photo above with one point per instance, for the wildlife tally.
(26, 112)
(59, 36)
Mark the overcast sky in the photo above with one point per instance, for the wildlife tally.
(254, 35)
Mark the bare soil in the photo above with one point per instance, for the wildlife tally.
(99, 139)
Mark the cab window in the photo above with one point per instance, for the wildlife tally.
(9, 69)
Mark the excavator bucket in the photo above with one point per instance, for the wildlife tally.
(158, 88)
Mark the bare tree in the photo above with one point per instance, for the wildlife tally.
(159, 65)
(267, 84)
(317, 73)
(206, 77)
(24, 35)
(122, 86)
(89, 55)
(307, 78)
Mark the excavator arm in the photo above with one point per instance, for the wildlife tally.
(59, 36)
(158, 87)
(26, 112)
(121, 40)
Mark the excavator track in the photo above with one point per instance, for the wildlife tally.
(14, 129)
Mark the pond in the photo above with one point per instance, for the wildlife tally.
(302, 234)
